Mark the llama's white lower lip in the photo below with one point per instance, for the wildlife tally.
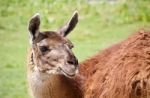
(66, 73)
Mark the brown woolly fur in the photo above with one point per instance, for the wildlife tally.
(121, 71)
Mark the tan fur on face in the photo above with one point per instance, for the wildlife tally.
(57, 56)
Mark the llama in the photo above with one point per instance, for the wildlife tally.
(121, 71)
(52, 65)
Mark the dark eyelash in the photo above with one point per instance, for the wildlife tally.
(71, 46)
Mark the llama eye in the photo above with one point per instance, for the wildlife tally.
(44, 49)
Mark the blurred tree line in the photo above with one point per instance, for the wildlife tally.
(120, 11)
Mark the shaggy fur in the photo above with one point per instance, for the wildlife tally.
(121, 71)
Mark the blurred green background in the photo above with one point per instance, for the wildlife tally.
(101, 24)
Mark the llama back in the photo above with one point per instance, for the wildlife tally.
(121, 71)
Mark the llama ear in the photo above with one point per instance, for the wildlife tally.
(66, 29)
(33, 27)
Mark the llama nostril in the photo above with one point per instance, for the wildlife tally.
(70, 62)
(73, 62)
(76, 62)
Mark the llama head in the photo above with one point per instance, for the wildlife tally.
(52, 52)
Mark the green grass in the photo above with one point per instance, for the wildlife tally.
(100, 25)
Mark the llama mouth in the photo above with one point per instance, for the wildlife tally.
(67, 73)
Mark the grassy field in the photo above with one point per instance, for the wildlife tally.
(100, 25)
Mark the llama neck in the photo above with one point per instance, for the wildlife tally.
(54, 86)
